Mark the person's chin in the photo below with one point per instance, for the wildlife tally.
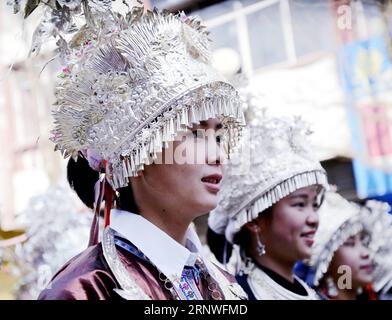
(207, 202)
(211, 202)
(364, 279)
(305, 253)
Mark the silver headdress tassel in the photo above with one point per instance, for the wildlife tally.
(130, 83)
(275, 159)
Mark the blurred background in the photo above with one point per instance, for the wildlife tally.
(329, 61)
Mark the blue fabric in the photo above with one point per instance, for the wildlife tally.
(304, 272)
(242, 280)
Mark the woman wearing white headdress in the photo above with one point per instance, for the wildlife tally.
(378, 223)
(267, 208)
(147, 119)
(343, 252)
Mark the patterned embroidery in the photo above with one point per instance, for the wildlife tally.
(188, 284)
(187, 287)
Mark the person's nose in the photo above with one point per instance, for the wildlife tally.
(365, 252)
(313, 217)
(214, 149)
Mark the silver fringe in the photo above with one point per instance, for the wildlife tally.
(149, 146)
(350, 228)
(278, 192)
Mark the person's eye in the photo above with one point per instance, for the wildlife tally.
(316, 206)
(299, 204)
(365, 239)
(219, 139)
(349, 243)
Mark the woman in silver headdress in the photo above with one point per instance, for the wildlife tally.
(379, 224)
(146, 119)
(268, 209)
(344, 253)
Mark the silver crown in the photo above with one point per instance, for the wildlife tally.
(274, 160)
(378, 223)
(130, 83)
(339, 219)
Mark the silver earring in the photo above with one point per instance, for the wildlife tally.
(260, 246)
(332, 290)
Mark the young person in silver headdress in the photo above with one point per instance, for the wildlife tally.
(267, 209)
(346, 243)
(380, 228)
(138, 92)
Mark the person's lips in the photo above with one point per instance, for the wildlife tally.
(212, 182)
(309, 237)
(367, 267)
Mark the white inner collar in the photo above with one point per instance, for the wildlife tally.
(169, 256)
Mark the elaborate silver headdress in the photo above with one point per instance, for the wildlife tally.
(275, 159)
(56, 230)
(341, 219)
(132, 82)
(378, 224)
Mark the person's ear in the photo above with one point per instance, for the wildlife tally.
(257, 245)
(252, 228)
(262, 222)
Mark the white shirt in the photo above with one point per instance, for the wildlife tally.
(169, 256)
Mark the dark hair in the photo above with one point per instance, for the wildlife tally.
(222, 249)
(243, 238)
(82, 178)
(219, 246)
(126, 200)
